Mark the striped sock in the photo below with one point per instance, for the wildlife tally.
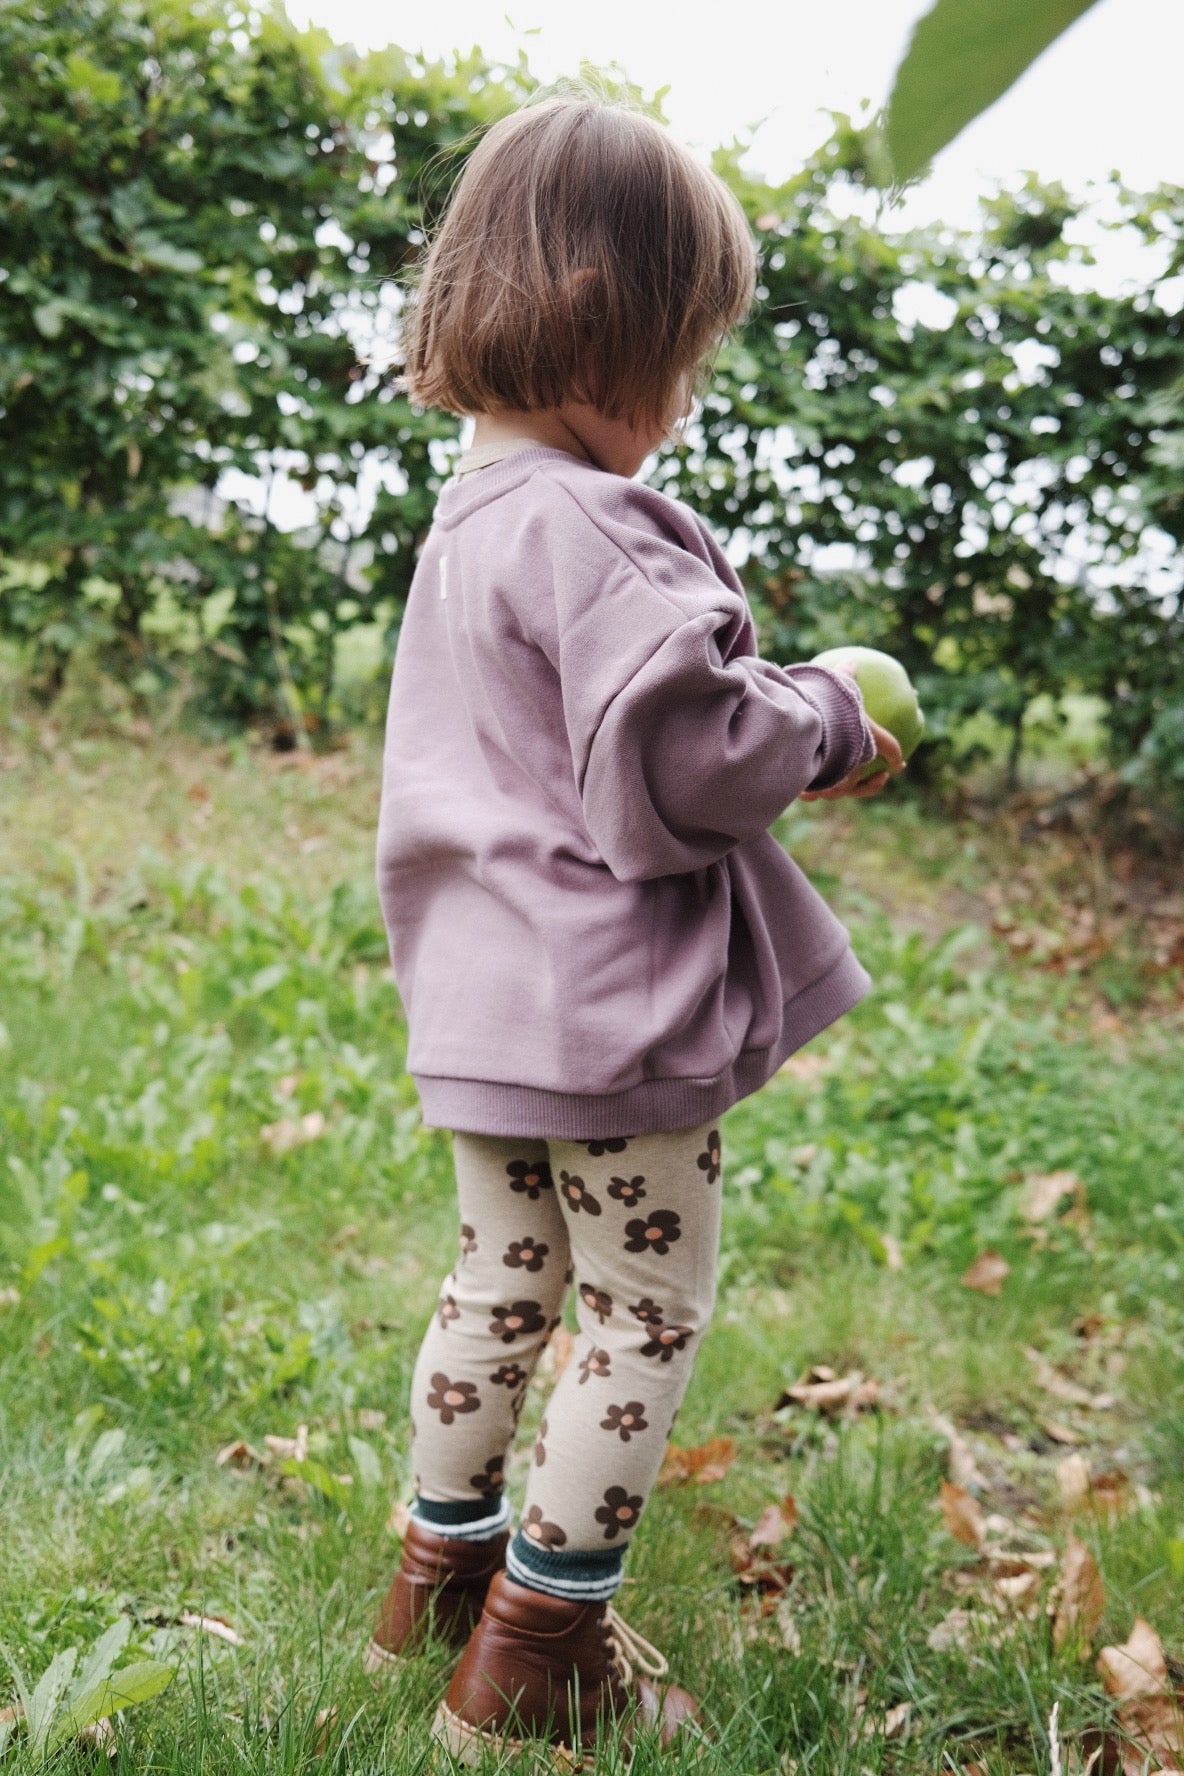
(582, 1576)
(464, 1520)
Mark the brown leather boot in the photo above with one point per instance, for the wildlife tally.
(543, 1667)
(438, 1591)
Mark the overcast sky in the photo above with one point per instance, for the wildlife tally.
(1105, 96)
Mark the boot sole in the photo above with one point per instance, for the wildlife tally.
(378, 1662)
(469, 1744)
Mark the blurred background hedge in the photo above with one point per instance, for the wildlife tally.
(206, 221)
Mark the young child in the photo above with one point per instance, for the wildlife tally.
(599, 945)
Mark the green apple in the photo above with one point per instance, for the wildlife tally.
(888, 696)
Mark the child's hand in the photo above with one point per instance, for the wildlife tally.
(887, 748)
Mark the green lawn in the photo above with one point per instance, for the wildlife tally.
(190, 956)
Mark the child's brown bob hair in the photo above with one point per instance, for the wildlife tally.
(584, 255)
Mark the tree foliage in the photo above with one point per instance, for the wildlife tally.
(206, 217)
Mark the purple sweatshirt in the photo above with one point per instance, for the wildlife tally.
(592, 930)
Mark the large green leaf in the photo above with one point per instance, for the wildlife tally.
(123, 1689)
(962, 55)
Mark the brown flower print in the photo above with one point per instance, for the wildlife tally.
(628, 1190)
(598, 1301)
(665, 1340)
(515, 1321)
(613, 1144)
(569, 1277)
(509, 1375)
(540, 1448)
(578, 1194)
(626, 1420)
(451, 1398)
(619, 1511)
(648, 1312)
(536, 1529)
(709, 1162)
(493, 1478)
(516, 1405)
(525, 1254)
(532, 1176)
(468, 1240)
(595, 1363)
(446, 1310)
(657, 1233)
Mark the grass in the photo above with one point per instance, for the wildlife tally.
(190, 954)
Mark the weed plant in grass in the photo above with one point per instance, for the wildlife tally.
(221, 1221)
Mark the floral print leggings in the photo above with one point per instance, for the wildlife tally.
(634, 1221)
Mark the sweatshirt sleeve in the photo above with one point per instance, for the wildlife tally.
(701, 744)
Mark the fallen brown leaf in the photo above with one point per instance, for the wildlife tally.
(987, 1274)
(1156, 1726)
(218, 1626)
(962, 1514)
(954, 1630)
(708, 1462)
(399, 1519)
(1082, 1597)
(289, 1448)
(1073, 1482)
(1058, 1432)
(241, 1455)
(963, 1470)
(1053, 1382)
(1045, 1191)
(280, 1137)
(823, 1391)
(1110, 1494)
(775, 1523)
(1138, 1667)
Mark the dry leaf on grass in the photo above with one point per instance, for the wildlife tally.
(1073, 1482)
(1082, 1597)
(1137, 1668)
(893, 1256)
(1058, 1432)
(1060, 1386)
(1110, 1494)
(289, 1448)
(954, 1630)
(963, 1471)
(708, 1462)
(1151, 1717)
(775, 1523)
(1045, 1192)
(218, 1626)
(987, 1274)
(280, 1137)
(962, 1515)
(399, 1519)
(240, 1455)
(824, 1391)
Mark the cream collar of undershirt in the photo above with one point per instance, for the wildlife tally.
(482, 455)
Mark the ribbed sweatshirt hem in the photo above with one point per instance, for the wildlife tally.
(489, 1107)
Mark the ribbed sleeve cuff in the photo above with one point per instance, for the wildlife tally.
(846, 738)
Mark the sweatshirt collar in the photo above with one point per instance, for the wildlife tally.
(457, 499)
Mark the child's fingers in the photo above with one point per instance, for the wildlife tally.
(887, 747)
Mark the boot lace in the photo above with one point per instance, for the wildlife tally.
(630, 1653)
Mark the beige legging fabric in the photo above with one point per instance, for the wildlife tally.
(636, 1220)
